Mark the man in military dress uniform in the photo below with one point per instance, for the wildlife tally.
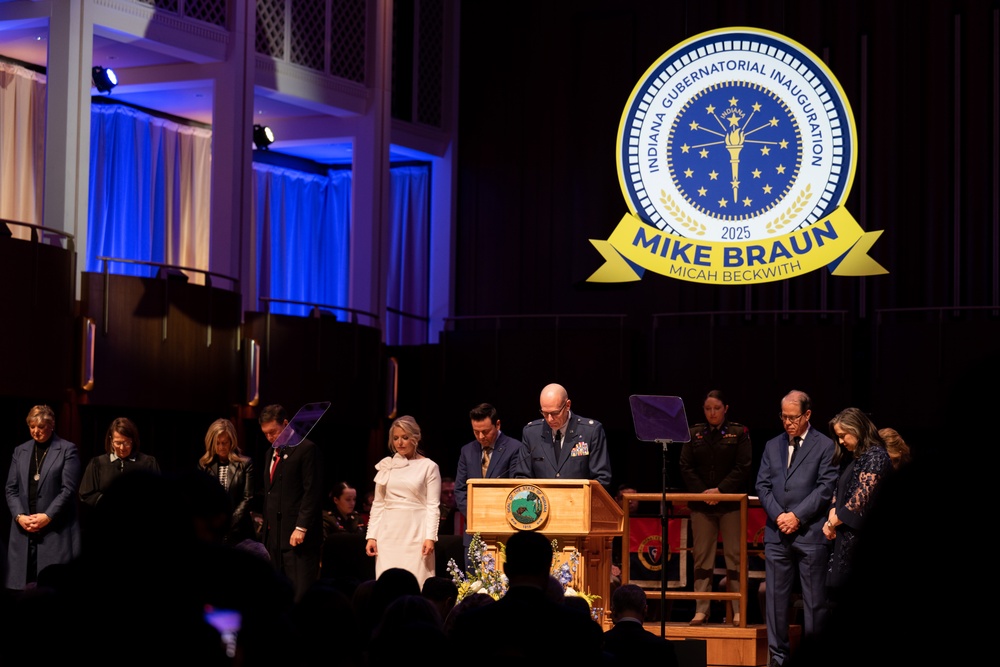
(563, 444)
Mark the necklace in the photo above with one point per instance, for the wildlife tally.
(38, 464)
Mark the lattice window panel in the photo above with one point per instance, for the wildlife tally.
(430, 61)
(306, 42)
(270, 38)
(209, 11)
(348, 21)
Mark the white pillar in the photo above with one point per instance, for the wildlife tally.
(370, 181)
(67, 123)
(231, 250)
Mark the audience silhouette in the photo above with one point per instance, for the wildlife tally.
(531, 624)
(156, 583)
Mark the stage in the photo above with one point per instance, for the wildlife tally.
(725, 645)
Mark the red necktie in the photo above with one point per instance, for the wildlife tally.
(274, 463)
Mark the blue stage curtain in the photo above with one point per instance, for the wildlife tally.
(302, 227)
(408, 280)
(148, 200)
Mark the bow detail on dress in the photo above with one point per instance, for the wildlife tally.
(389, 463)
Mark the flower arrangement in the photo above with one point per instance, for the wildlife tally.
(486, 578)
(565, 572)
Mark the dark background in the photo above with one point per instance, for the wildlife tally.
(543, 88)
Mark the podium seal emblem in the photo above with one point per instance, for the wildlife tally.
(527, 507)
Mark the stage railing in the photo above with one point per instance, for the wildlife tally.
(740, 598)
(318, 308)
(40, 234)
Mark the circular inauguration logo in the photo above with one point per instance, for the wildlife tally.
(735, 135)
(527, 507)
(736, 153)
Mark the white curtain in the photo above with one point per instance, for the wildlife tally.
(22, 146)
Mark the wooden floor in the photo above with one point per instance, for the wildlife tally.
(727, 646)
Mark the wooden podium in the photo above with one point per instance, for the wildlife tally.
(578, 513)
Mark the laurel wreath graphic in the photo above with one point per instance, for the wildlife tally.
(681, 218)
(793, 211)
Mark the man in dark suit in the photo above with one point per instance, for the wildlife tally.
(796, 482)
(563, 445)
(293, 503)
(628, 641)
(491, 456)
(527, 623)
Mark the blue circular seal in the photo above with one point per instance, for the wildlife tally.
(736, 134)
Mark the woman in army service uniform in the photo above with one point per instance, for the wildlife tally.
(717, 459)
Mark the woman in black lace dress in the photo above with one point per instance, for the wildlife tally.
(856, 491)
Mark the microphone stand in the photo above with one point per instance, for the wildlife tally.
(663, 543)
(661, 419)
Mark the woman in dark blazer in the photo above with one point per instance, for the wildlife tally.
(41, 494)
(224, 461)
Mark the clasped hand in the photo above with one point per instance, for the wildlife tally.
(788, 523)
(33, 523)
(830, 527)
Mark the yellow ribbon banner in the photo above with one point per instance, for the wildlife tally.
(836, 241)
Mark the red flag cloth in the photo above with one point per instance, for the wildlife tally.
(646, 556)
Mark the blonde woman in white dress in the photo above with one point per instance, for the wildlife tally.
(404, 519)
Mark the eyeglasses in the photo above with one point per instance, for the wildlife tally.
(554, 413)
(121, 443)
(791, 419)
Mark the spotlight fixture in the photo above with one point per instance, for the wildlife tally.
(262, 136)
(104, 79)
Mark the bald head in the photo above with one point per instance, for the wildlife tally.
(554, 392)
(555, 405)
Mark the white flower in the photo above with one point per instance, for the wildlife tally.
(569, 592)
(475, 586)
